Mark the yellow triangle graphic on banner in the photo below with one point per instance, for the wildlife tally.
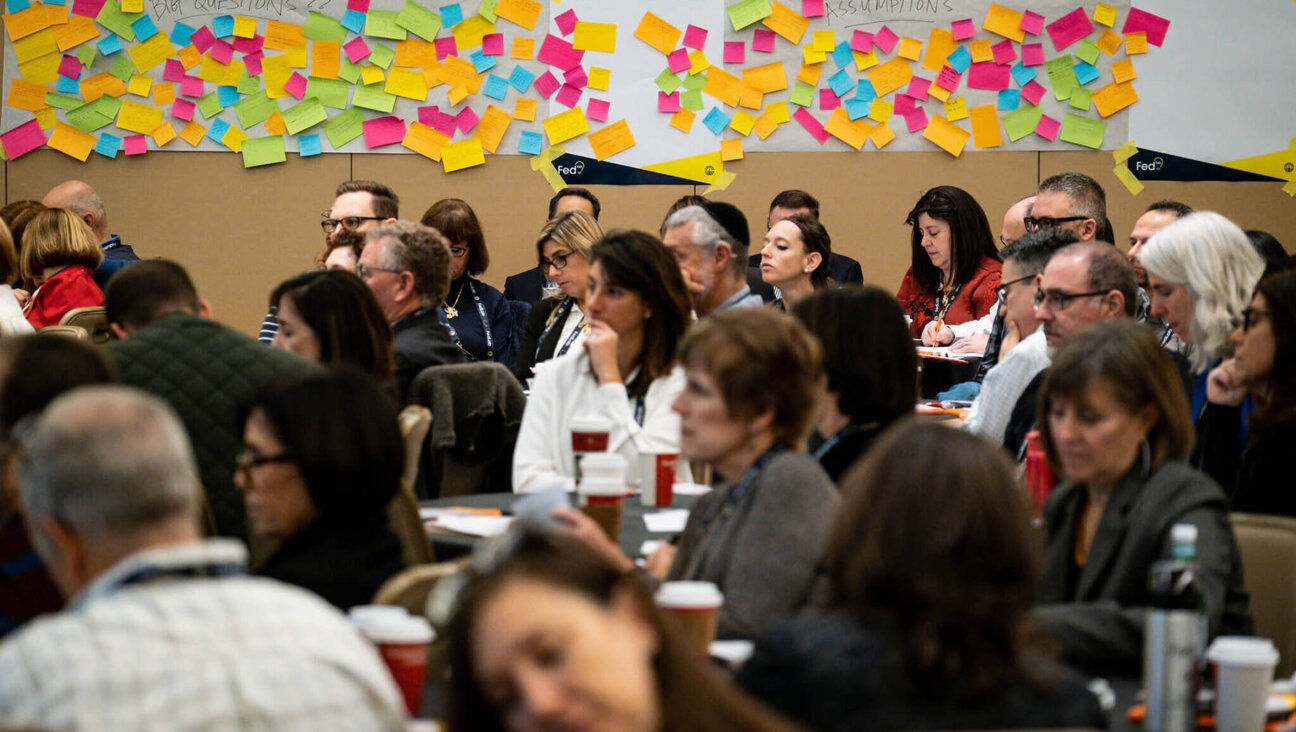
(1281, 164)
(705, 168)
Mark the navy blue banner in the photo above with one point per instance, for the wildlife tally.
(577, 170)
(1152, 165)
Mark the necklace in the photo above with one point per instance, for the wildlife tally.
(450, 310)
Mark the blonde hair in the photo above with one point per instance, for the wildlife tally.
(575, 230)
(57, 238)
(8, 256)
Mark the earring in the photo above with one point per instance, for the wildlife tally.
(807, 270)
(1145, 454)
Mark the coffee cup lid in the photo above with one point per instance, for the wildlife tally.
(599, 486)
(591, 423)
(689, 595)
(1239, 650)
(364, 615)
(407, 629)
(612, 460)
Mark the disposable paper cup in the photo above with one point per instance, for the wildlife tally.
(404, 644)
(657, 478)
(1244, 668)
(693, 606)
(608, 465)
(588, 435)
(367, 616)
(603, 499)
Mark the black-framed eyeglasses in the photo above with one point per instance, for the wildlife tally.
(1002, 290)
(558, 261)
(1252, 317)
(350, 223)
(457, 252)
(1058, 301)
(364, 272)
(249, 459)
(1035, 223)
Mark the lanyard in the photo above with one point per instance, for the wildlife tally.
(718, 515)
(639, 411)
(942, 306)
(485, 321)
(564, 309)
(841, 434)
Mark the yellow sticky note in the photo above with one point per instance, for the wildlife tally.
(470, 32)
(598, 78)
(523, 48)
(824, 41)
(163, 134)
(275, 125)
(657, 33)
(948, 136)
(218, 73)
(139, 85)
(722, 182)
(71, 142)
(326, 59)
(808, 74)
(1125, 152)
(853, 133)
(490, 130)
(910, 48)
(26, 95)
(881, 135)
(297, 57)
(244, 27)
(598, 37)
(786, 22)
(151, 53)
(462, 154)
(890, 76)
(742, 122)
(1113, 98)
(1123, 71)
(1109, 42)
(778, 111)
(163, 93)
(40, 43)
(192, 133)
(42, 70)
(698, 62)
(234, 138)
(985, 126)
(139, 118)
(45, 118)
(408, 83)
(611, 140)
(811, 56)
(524, 109)
(564, 126)
(731, 150)
(132, 6)
(940, 44)
(682, 120)
(1290, 188)
(1132, 184)
(880, 110)
(1005, 22)
(982, 50)
(521, 12)
(1104, 14)
(865, 61)
(1136, 43)
(424, 140)
(371, 74)
(956, 109)
(457, 94)
(768, 78)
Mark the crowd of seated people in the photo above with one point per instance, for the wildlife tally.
(194, 504)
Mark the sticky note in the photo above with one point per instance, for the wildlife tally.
(667, 81)
(568, 96)
(1032, 54)
(910, 48)
(1008, 100)
(409, 83)
(108, 145)
(963, 29)
(523, 49)
(940, 44)
(731, 150)
(856, 108)
(683, 120)
(382, 131)
(222, 26)
(886, 39)
(257, 151)
(1061, 76)
(356, 49)
(692, 101)
(598, 78)
(344, 128)
(451, 15)
(597, 110)
(524, 109)
(520, 12)
(716, 120)
(813, 8)
(611, 140)
(1109, 43)
(1023, 74)
(1127, 178)
(493, 44)
(880, 110)
(1136, 43)
(1125, 152)
(138, 117)
(307, 145)
(842, 55)
(372, 96)
(1083, 131)
(763, 40)
(746, 12)
(916, 119)
(530, 142)
(1031, 22)
(668, 102)
(546, 84)
(1142, 21)
(1085, 72)
(946, 135)
(890, 76)
(566, 125)
(841, 82)
(1032, 92)
(959, 59)
(566, 22)
(956, 109)
(811, 125)
(193, 133)
(460, 155)
(1123, 71)
(182, 109)
(598, 37)
(1047, 128)
(657, 33)
(321, 27)
(1069, 28)
(69, 141)
(852, 133)
(985, 126)
(419, 20)
(1005, 22)
(1114, 97)
(828, 101)
(802, 94)
(695, 37)
(786, 22)
(557, 52)
(735, 52)
(1021, 122)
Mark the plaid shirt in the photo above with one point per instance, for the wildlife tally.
(176, 638)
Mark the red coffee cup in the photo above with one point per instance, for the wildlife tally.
(404, 644)
(657, 478)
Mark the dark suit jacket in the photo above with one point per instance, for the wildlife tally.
(533, 350)
(1097, 612)
(841, 268)
(421, 340)
(526, 286)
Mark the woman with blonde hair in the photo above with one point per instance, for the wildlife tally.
(556, 325)
(12, 322)
(59, 255)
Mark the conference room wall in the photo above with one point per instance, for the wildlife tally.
(240, 232)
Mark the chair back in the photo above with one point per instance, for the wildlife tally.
(414, 423)
(93, 320)
(67, 331)
(403, 518)
(411, 587)
(1268, 548)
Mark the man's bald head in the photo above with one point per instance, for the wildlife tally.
(1014, 224)
(82, 200)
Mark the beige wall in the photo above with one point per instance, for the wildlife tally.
(240, 232)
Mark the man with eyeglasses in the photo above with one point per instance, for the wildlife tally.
(1072, 201)
(710, 243)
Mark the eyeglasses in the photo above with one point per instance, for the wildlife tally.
(1048, 222)
(558, 261)
(249, 459)
(1058, 301)
(1252, 317)
(367, 272)
(1002, 290)
(348, 222)
(457, 252)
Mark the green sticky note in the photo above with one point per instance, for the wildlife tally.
(263, 151)
(303, 115)
(87, 119)
(331, 92)
(667, 81)
(255, 109)
(381, 56)
(1061, 76)
(693, 82)
(248, 84)
(372, 96)
(62, 101)
(1087, 52)
(692, 100)
(745, 13)
(1080, 99)
(1021, 122)
(487, 10)
(802, 94)
(382, 24)
(349, 72)
(1083, 130)
(122, 68)
(86, 54)
(344, 128)
(419, 20)
(112, 18)
(106, 105)
(209, 106)
(321, 27)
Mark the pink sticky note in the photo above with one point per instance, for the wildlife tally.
(191, 86)
(445, 47)
(69, 67)
(1004, 53)
(904, 104)
(916, 120)
(988, 75)
(23, 139)
(1070, 28)
(668, 102)
(356, 49)
(360, 6)
(568, 96)
(566, 22)
(221, 51)
(828, 101)
(202, 39)
(546, 84)
(963, 29)
(1033, 92)
(493, 44)
(135, 145)
(249, 45)
(182, 109)
(557, 52)
(735, 52)
(576, 77)
(429, 115)
(1153, 25)
(88, 8)
(810, 124)
(885, 39)
(918, 87)
(678, 60)
(1047, 128)
(695, 37)
(383, 131)
(174, 71)
(296, 85)
(763, 40)
(597, 110)
(466, 120)
(253, 63)
(446, 123)
(812, 8)
(861, 41)
(1032, 54)
(1032, 23)
(948, 78)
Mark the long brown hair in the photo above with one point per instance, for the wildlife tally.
(1279, 292)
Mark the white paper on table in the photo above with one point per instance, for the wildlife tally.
(945, 353)
(473, 525)
(733, 652)
(669, 521)
(648, 547)
(690, 489)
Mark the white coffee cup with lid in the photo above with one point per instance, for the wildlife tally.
(1244, 668)
(694, 606)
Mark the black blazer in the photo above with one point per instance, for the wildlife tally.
(527, 355)
(842, 269)
(420, 340)
(526, 286)
(1097, 612)
(344, 564)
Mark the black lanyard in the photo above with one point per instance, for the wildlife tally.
(639, 411)
(942, 305)
(718, 515)
(841, 434)
(485, 321)
(564, 309)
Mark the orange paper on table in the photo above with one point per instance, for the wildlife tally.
(56, 15)
(326, 59)
(910, 48)
(457, 94)
(657, 33)
(611, 140)
(890, 76)
(985, 126)
(281, 36)
(521, 12)
(71, 142)
(490, 130)
(77, 30)
(1109, 43)
(26, 95)
(1123, 71)
(26, 22)
(851, 132)
(765, 79)
(463, 154)
(193, 133)
(1005, 22)
(881, 135)
(100, 84)
(523, 48)
(163, 134)
(940, 44)
(948, 136)
(424, 140)
(683, 120)
(163, 93)
(524, 109)
(564, 126)
(786, 22)
(731, 150)
(1113, 98)
(1136, 43)
(724, 86)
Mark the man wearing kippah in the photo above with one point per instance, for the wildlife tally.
(710, 243)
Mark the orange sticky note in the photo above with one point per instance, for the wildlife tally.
(939, 92)
(163, 134)
(326, 59)
(189, 57)
(26, 22)
(768, 78)
(1113, 98)
(809, 74)
(463, 154)
(424, 140)
(522, 12)
(985, 126)
(611, 140)
(281, 36)
(414, 53)
(786, 22)
(731, 150)
(26, 95)
(765, 125)
(1136, 43)
(457, 94)
(71, 142)
(881, 135)
(683, 120)
(490, 130)
(1109, 43)
(524, 109)
(751, 99)
(163, 93)
(853, 133)
(1005, 22)
(193, 133)
(656, 33)
(890, 76)
(940, 44)
(948, 136)
(275, 125)
(1123, 71)
(910, 48)
(982, 50)
(523, 48)
(77, 30)
(724, 86)
(100, 84)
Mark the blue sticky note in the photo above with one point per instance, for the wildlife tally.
(841, 82)
(180, 34)
(144, 28)
(451, 15)
(228, 96)
(530, 142)
(716, 120)
(223, 26)
(959, 59)
(856, 108)
(308, 145)
(496, 87)
(864, 90)
(1009, 99)
(481, 61)
(521, 79)
(842, 55)
(108, 145)
(55, 2)
(1023, 74)
(16, 5)
(110, 45)
(217, 130)
(353, 20)
(68, 86)
(1085, 72)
